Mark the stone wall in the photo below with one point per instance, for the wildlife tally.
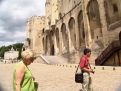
(35, 31)
(72, 25)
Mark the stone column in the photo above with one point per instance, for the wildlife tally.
(77, 33)
(103, 21)
(61, 41)
(88, 39)
(71, 46)
(55, 45)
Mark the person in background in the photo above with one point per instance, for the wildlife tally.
(86, 69)
(23, 79)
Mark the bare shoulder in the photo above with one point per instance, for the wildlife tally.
(20, 73)
(20, 68)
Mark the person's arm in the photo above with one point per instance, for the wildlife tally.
(87, 70)
(19, 77)
(92, 71)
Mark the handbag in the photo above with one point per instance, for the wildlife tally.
(78, 76)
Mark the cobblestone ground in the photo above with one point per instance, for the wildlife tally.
(61, 77)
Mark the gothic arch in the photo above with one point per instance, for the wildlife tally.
(94, 19)
(65, 36)
(81, 29)
(52, 50)
(71, 25)
(57, 37)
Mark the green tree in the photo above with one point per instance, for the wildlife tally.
(2, 51)
(18, 47)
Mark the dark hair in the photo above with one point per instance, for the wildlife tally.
(86, 50)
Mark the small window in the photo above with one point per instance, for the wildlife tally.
(115, 8)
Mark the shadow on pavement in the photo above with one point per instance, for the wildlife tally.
(1, 88)
(119, 88)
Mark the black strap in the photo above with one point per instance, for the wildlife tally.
(77, 67)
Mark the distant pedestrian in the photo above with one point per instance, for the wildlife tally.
(86, 69)
(23, 79)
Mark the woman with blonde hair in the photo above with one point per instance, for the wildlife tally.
(22, 76)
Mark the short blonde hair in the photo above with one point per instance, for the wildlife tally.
(27, 54)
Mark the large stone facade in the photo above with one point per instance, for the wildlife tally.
(71, 25)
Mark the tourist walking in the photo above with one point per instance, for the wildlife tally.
(86, 69)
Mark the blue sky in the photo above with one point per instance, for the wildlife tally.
(13, 17)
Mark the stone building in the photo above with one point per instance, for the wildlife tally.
(71, 25)
(35, 27)
(11, 56)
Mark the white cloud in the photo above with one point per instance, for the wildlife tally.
(19, 34)
(2, 30)
(7, 43)
(23, 8)
(13, 17)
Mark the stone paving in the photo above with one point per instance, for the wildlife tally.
(61, 77)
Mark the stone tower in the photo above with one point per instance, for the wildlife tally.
(35, 27)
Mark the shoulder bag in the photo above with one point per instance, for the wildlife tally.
(78, 76)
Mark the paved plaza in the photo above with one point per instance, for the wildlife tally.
(61, 77)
